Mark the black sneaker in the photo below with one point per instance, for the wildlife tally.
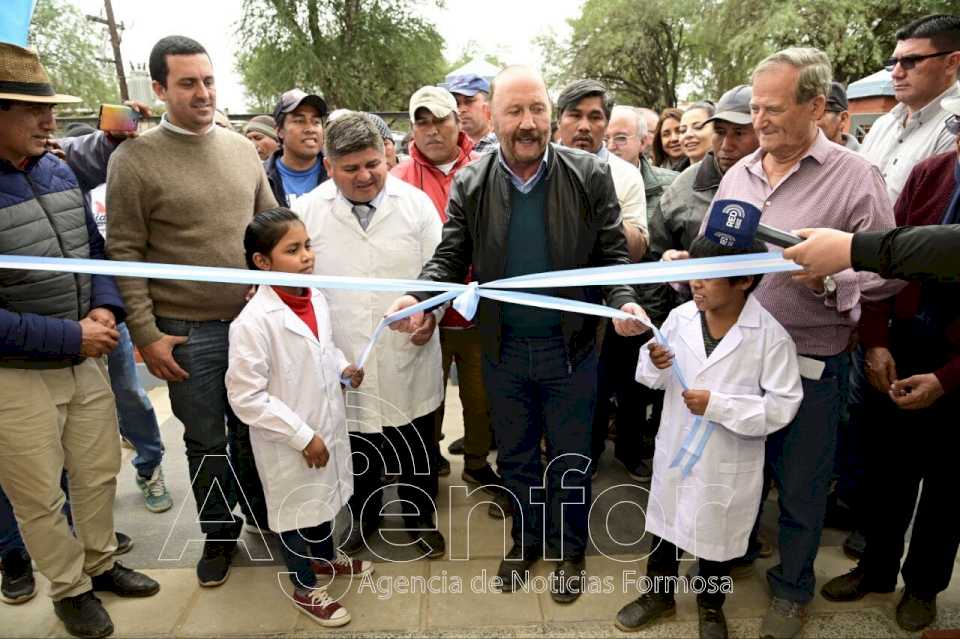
(645, 610)
(84, 616)
(456, 447)
(642, 472)
(485, 476)
(514, 570)
(443, 466)
(124, 582)
(502, 505)
(915, 613)
(568, 580)
(18, 585)
(124, 544)
(713, 623)
(430, 541)
(214, 567)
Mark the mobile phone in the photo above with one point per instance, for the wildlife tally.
(118, 117)
(777, 237)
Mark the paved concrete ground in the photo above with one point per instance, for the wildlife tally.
(417, 598)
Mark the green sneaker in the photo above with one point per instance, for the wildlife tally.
(155, 495)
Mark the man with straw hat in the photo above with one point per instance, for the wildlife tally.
(57, 411)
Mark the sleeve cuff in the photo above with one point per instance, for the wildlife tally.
(301, 438)
(145, 334)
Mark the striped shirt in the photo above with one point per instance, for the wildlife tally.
(831, 187)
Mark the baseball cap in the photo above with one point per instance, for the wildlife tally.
(470, 84)
(293, 98)
(439, 101)
(732, 223)
(837, 100)
(381, 125)
(734, 106)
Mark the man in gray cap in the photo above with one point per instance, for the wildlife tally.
(296, 168)
(836, 119)
(473, 105)
(676, 221)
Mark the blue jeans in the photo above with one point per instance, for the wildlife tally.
(800, 459)
(138, 422)
(218, 443)
(299, 546)
(10, 538)
(535, 392)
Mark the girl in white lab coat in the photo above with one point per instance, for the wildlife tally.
(741, 369)
(284, 381)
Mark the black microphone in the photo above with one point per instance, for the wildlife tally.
(776, 236)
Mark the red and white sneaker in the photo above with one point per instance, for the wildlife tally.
(318, 605)
(342, 566)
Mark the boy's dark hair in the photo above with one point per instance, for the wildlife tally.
(705, 247)
(265, 230)
(171, 45)
(942, 30)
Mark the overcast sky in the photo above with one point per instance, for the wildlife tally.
(504, 27)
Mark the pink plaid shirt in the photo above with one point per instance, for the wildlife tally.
(831, 187)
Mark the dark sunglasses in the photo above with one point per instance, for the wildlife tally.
(952, 124)
(908, 62)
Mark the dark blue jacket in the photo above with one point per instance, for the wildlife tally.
(37, 337)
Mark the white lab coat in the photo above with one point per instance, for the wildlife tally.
(401, 381)
(755, 389)
(285, 384)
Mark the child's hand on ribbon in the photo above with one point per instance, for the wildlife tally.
(316, 453)
(696, 400)
(660, 355)
(353, 374)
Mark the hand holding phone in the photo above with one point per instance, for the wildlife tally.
(118, 118)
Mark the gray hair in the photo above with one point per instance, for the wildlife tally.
(633, 112)
(580, 89)
(349, 133)
(816, 74)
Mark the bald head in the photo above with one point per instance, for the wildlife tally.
(521, 117)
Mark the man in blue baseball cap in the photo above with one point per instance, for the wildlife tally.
(473, 104)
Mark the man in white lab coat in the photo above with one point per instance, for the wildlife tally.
(364, 223)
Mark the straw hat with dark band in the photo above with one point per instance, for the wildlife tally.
(23, 78)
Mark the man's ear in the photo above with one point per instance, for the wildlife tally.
(159, 90)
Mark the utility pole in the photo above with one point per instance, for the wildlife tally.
(115, 41)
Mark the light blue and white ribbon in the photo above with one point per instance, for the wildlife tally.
(466, 297)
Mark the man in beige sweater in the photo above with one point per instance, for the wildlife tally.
(183, 193)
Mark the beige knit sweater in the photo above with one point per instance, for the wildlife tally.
(181, 199)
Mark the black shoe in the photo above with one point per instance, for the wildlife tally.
(485, 477)
(644, 610)
(854, 545)
(84, 616)
(502, 505)
(124, 582)
(356, 542)
(514, 570)
(124, 544)
(18, 585)
(568, 580)
(218, 550)
(852, 586)
(430, 541)
(915, 613)
(713, 623)
(456, 447)
(642, 472)
(443, 466)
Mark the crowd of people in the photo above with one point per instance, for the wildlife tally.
(816, 382)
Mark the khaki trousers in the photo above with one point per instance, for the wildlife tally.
(463, 347)
(50, 421)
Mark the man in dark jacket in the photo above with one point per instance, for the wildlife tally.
(534, 207)
(296, 168)
(56, 408)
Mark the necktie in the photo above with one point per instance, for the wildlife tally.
(363, 213)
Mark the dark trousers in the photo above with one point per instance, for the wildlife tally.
(218, 443)
(300, 546)
(664, 562)
(906, 447)
(462, 346)
(410, 452)
(853, 433)
(616, 377)
(800, 459)
(535, 392)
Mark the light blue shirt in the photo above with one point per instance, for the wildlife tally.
(517, 181)
(297, 183)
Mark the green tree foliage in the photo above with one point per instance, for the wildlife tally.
(69, 46)
(359, 54)
(647, 50)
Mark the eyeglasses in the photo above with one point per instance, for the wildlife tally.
(952, 124)
(619, 140)
(908, 62)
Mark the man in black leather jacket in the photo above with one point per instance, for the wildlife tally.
(534, 207)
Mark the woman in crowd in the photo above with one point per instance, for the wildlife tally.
(696, 134)
(667, 149)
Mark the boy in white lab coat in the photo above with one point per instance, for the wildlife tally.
(738, 381)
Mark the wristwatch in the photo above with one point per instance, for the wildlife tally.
(829, 285)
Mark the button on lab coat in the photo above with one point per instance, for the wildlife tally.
(285, 383)
(755, 389)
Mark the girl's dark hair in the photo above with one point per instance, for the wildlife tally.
(705, 247)
(659, 154)
(265, 230)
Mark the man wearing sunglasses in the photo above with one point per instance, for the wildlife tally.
(923, 70)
